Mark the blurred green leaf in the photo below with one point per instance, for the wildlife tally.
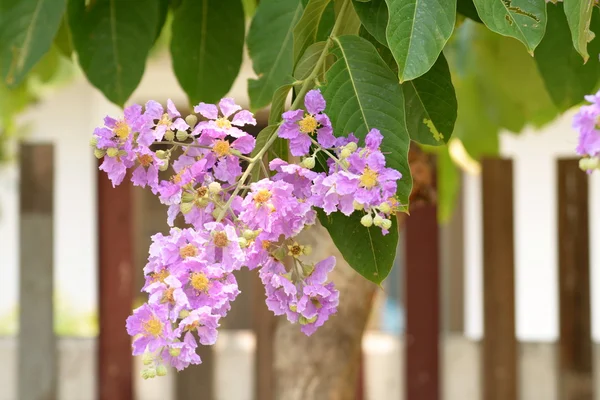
(27, 29)
(525, 20)
(565, 75)
(448, 184)
(207, 46)
(579, 16)
(112, 39)
(417, 32)
(467, 8)
(63, 40)
(270, 44)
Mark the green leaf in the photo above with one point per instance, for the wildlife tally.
(63, 40)
(417, 32)
(363, 93)
(524, 20)
(350, 22)
(207, 46)
(368, 252)
(278, 103)
(163, 12)
(467, 8)
(270, 44)
(112, 39)
(579, 16)
(430, 104)
(305, 31)
(308, 60)
(565, 75)
(374, 18)
(27, 29)
(383, 50)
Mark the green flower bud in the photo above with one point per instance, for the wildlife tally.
(94, 141)
(161, 370)
(279, 253)
(186, 207)
(248, 234)
(243, 242)
(122, 153)
(145, 374)
(307, 250)
(182, 135)
(169, 135)
(147, 358)
(308, 162)
(187, 197)
(378, 220)
(161, 154)
(293, 308)
(191, 120)
(99, 153)
(308, 269)
(345, 163)
(112, 152)
(367, 220)
(345, 153)
(385, 208)
(214, 187)
(151, 372)
(351, 146)
(386, 224)
(164, 166)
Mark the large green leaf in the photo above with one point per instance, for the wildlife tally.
(307, 28)
(278, 103)
(270, 44)
(363, 93)
(349, 22)
(374, 17)
(368, 252)
(417, 32)
(112, 39)
(63, 40)
(565, 75)
(524, 20)
(430, 104)
(207, 47)
(27, 29)
(309, 59)
(579, 16)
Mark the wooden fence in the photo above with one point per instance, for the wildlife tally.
(125, 222)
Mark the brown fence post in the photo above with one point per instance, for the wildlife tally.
(575, 343)
(499, 350)
(115, 277)
(37, 359)
(422, 304)
(264, 331)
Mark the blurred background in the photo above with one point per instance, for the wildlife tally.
(532, 277)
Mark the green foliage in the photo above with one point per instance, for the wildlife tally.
(27, 28)
(270, 44)
(567, 78)
(207, 46)
(409, 68)
(417, 32)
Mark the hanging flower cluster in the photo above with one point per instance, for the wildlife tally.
(587, 122)
(234, 223)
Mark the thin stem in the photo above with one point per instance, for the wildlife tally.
(264, 169)
(329, 154)
(183, 144)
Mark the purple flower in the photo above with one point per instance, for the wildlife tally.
(181, 354)
(587, 122)
(300, 178)
(147, 171)
(203, 322)
(221, 126)
(161, 122)
(150, 327)
(223, 247)
(335, 192)
(298, 127)
(169, 292)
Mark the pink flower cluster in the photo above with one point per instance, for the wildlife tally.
(587, 122)
(233, 223)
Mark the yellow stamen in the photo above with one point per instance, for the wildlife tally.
(121, 129)
(189, 250)
(168, 296)
(262, 196)
(295, 250)
(223, 123)
(145, 159)
(221, 148)
(153, 327)
(221, 239)
(368, 179)
(308, 124)
(266, 244)
(159, 276)
(165, 120)
(199, 281)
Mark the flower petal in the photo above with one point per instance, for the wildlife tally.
(228, 106)
(209, 111)
(243, 117)
(314, 101)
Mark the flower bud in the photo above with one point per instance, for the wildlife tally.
(308, 162)
(164, 166)
(161, 154)
(367, 220)
(94, 141)
(161, 370)
(191, 120)
(187, 197)
(243, 242)
(279, 253)
(248, 234)
(293, 308)
(386, 224)
(151, 372)
(357, 205)
(169, 135)
(112, 152)
(307, 250)
(147, 358)
(214, 187)
(308, 269)
(181, 135)
(122, 153)
(351, 146)
(186, 207)
(583, 164)
(385, 208)
(345, 153)
(378, 220)
(145, 374)
(99, 153)
(589, 163)
(344, 163)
